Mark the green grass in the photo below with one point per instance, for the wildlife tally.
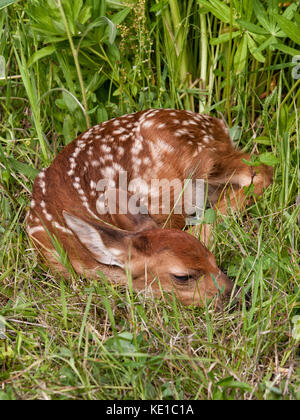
(91, 339)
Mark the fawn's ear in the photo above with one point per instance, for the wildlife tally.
(108, 246)
(126, 210)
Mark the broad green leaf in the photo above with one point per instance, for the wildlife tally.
(235, 132)
(261, 15)
(254, 161)
(287, 50)
(241, 56)
(251, 27)
(5, 3)
(224, 37)
(297, 18)
(272, 9)
(262, 140)
(290, 11)
(259, 39)
(22, 168)
(231, 383)
(210, 216)
(49, 31)
(253, 49)
(120, 16)
(69, 101)
(280, 66)
(101, 114)
(115, 4)
(113, 52)
(76, 8)
(289, 28)
(103, 20)
(268, 159)
(218, 9)
(68, 131)
(268, 42)
(43, 52)
(85, 15)
(222, 8)
(68, 11)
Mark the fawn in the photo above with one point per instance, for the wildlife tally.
(162, 144)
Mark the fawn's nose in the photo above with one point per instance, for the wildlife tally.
(235, 294)
(225, 281)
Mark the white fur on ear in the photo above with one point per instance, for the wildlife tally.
(92, 240)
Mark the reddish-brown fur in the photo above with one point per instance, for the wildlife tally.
(161, 144)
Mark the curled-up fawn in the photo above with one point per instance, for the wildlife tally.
(80, 201)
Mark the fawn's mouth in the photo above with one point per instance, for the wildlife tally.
(235, 297)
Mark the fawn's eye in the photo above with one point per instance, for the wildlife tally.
(182, 278)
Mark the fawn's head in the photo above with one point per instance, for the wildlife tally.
(163, 259)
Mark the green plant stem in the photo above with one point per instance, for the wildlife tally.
(228, 74)
(32, 96)
(203, 58)
(180, 46)
(76, 61)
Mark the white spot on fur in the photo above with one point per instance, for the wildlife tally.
(136, 161)
(181, 132)
(87, 134)
(139, 186)
(62, 228)
(206, 139)
(47, 215)
(242, 180)
(106, 148)
(108, 172)
(118, 167)
(33, 230)
(119, 131)
(124, 137)
(121, 151)
(161, 125)
(43, 187)
(137, 146)
(108, 157)
(148, 123)
(165, 147)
